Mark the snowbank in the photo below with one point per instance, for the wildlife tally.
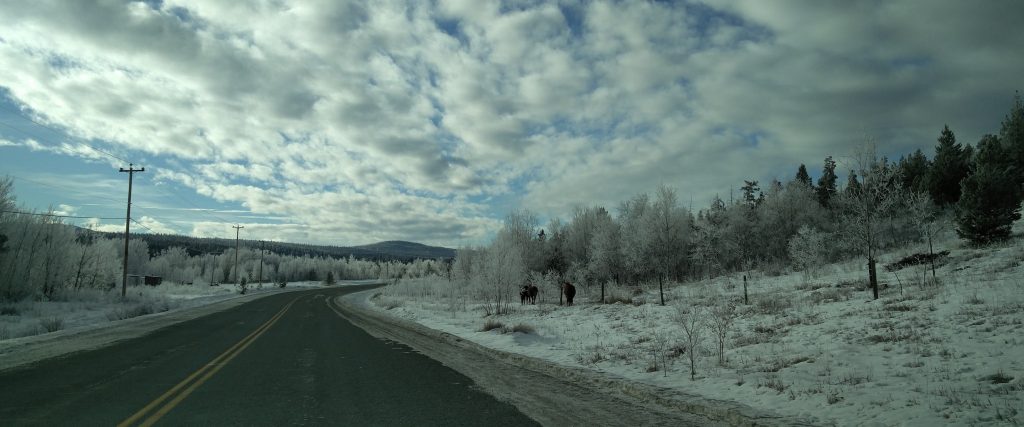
(813, 348)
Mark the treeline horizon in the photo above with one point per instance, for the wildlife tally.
(795, 225)
(41, 257)
(160, 241)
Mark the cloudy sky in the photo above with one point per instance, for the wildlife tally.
(353, 122)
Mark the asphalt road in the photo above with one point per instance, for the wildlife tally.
(285, 359)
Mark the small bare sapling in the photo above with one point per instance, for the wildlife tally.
(692, 320)
(722, 318)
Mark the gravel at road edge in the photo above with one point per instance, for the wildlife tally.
(554, 394)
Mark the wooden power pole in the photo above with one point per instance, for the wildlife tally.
(236, 227)
(261, 264)
(127, 224)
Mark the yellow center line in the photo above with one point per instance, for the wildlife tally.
(205, 372)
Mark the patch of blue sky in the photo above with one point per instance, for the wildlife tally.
(452, 27)
(93, 187)
(710, 20)
(574, 18)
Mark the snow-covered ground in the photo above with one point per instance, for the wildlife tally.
(90, 307)
(816, 347)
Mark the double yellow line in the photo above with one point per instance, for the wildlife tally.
(200, 376)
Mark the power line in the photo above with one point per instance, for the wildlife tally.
(143, 226)
(63, 189)
(59, 134)
(204, 211)
(60, 216)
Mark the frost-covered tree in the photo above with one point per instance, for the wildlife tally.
(579, 235)
(741, 233)
(504, 272)
(54, 264)
(692, 320)
(784, 211)
(605, 252)
(807, 249)
(635, 256)
(865, 208)
(554, 249)
(925, 216)
(710, 247)
(666, 230)
(722, 318)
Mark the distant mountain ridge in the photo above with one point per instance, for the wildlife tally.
(409, 249)
(398, 250)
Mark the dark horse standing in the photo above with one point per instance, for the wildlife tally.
(570, 291)
(528, 294)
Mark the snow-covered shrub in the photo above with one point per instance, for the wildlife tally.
(491, 324)
(524, 328)
(52, 324)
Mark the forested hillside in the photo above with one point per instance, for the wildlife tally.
(383, 251)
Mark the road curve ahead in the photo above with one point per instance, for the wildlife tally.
(285, 359)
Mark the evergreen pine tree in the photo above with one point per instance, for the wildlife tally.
(914, 171)
(803, 177)
(950, 166)
(1011, 136)
(827, 183)
(991, 197)
(749, 189)
(852, 184)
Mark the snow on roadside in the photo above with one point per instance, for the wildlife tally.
(91, 308)
(814, 347)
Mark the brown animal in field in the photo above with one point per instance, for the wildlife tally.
(524, 294)
(532, 294)
(570, 291)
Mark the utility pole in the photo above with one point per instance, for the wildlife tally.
(261, 264)
(127, 224)
(236, 227)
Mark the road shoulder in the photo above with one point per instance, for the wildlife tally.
(19, 352)
(550, 393)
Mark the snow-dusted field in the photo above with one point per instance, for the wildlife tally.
(87, 308)
(816, 347)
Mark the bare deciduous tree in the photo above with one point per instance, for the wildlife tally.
(925, 215)
(667, 229)
(692, 320)
(722, 318)
(866, 207)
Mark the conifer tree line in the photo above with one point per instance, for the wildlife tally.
(41, 257)
(796, 224)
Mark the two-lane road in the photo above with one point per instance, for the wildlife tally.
(286, 359)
